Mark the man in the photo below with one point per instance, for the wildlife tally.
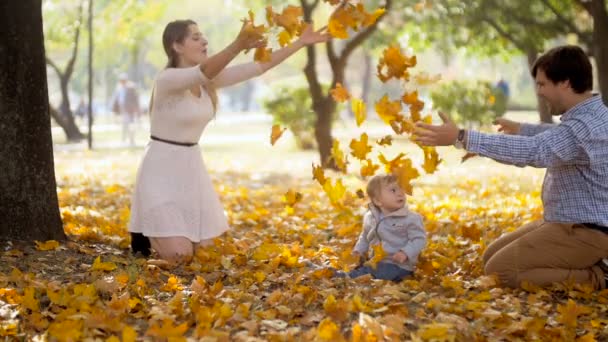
(125, 102)
(572, 238)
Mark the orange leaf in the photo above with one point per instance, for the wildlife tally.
(166, 329)
(262, 54)
(335, 193)
(328, 330)
(276, 133)
(284, 38)
(388, 110)
(336, 29)
(394, 64)
(290, 19)
(385, 141)
(292, 197)
(415, 104)
(47, 245)
(405, 173)
(431, 160)
(339, 93)
(102, 266)
(369, 169)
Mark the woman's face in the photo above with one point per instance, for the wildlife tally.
(193, 50)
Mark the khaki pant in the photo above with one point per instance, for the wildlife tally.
(543, 253)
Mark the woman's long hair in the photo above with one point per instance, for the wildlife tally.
(175, 32)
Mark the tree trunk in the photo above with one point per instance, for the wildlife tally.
(541, 105)
(28, 197)
(325, 111)
(72, 132)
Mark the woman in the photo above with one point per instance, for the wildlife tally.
(174, 206)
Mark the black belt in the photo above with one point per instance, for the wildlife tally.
(596, 227)
(172, 142)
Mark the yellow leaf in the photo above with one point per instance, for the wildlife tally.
(270, 16)
(29, 299)
(47, 245)
(405, 173)
(415, 104)
(431, 159)
(435, 331)
(276, 133)
(262, 54)
(339, 93)
(385, 141)
(368, 168)
(172, 285)
(335, 193)
(289, 19)
(328, 330)
(378, 255)
(569, 313)
(336, 29)
(292, 197)
(67, 330)
(424, 79)
(388, 110)
(360, 148)
(393, 64)
(338, 156)
(360, 111)
(102, 266)
(284, 38)
(318, 173)
(166, 329)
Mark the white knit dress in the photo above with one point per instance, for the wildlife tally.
(173, 195)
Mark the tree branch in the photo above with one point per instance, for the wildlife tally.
(566, 22)
(518, 43)
(54, 66)
(70, 66)
(316, 91)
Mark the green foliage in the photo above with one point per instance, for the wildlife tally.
(470, 102)
(292, 107)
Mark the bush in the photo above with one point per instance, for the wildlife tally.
(470, 102)
(292, 107)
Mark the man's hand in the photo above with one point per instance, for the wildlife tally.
(507, 126)
(436, 135)
(400, 257)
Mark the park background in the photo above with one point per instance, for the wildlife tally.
(252, 286)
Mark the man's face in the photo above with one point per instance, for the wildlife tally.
(552, 93)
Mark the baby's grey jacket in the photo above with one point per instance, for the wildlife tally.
(401, 230)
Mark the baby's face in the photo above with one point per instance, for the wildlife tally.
(391, 198)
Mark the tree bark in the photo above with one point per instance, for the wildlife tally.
(28, 197)
(597, 9)
(543, 109)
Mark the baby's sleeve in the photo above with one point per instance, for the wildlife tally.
(177, 79)
(236, 74)
(416, 236)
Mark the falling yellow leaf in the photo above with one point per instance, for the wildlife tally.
(338, 156)
(388, 110)
(276, 133)
(334, 192)
(318, 173)
(393, 64)
(292, 197)
(262, 54)
(360, 148)
(431, 160)
(339, 93)
(368, 168)
(284, 38)
(360, 110)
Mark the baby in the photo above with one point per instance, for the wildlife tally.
(390, 223)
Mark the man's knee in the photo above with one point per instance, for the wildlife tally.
(506, 272)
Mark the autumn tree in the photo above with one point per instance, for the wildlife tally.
(28, 204)
(63, 34)
(323, 104)
(482, 27)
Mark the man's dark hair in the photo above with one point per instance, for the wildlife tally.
(568, 62)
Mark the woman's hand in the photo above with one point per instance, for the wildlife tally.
(249, 38)
(309, 36)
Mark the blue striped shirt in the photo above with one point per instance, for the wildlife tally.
(575, 154)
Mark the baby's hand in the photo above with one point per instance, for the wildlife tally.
(400, 257)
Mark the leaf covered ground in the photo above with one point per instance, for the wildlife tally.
(253, 286)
